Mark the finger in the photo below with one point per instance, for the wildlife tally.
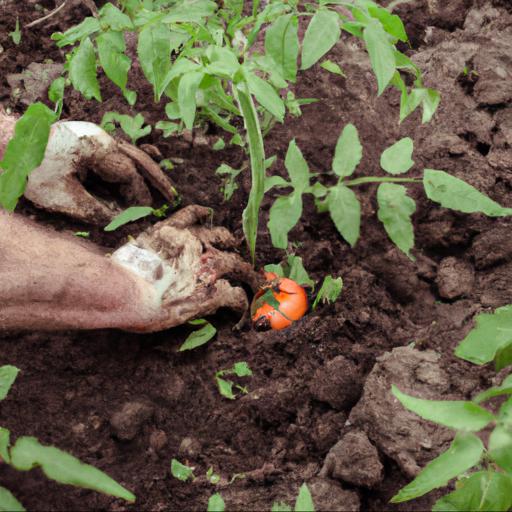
(188, 216)
(116, 167)
(218, 237)
(150, 170)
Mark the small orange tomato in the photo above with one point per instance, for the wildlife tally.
(290, 296)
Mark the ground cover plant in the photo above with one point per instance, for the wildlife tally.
(272, 430)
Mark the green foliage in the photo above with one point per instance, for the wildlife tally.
(8, 375)
(199, 337)
(181, 471)
(395, 206)
(132, 126)
(230, 185)
(329, 291)
(304, 502)
(226, 386)
(134, 213)
(82, 71)
(56, 94)
(24, 152)
(16, 33)
(8, 503)
(332, 67)
(216, 503)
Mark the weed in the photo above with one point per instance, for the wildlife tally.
(199, 337)
(181, 471)
(240, 369)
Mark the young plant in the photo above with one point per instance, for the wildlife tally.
(395, 206)
(329, 291)
(132, 126)
(134, 213)
(181, 471)
(199, 337)
(28, 453)
(217, 74)
(304, 502)
(240, 369)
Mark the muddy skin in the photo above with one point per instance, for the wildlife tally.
(128, 403)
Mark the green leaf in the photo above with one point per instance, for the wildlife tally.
(304, 501)
(199, 337)
(395, 210)
(241, 369)
(345, 211)
(329, 291)
(225, 387)
(348, 152)
(56, 94)
(8, 503)
(114, 18)
(8, 374)
(180, 471)
(297, 272)
(4, 446)
(230, 185)
(332, 67)
(492, 332)
(187, 89)
(504, 389)
(451, 192)
(24, 152)
(282, 45)
(297, 167)
(391, 23)
(88, 27)
(397, 159)
(62, 467)
(382, 54)
(284, 215)
(428, 98)
(129, 215)
(82, 71)
(266, 95)
(500, 446)
(322, 34)
(216, 503)
(456, 414)
(503, 357)
(16, 34)
(279, 506)
(465, 451)
(132, 126)
(115, 63)
(154, 52)
(481, 491)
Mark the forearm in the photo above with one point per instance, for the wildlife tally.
(50, 281)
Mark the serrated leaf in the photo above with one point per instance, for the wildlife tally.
(199, 337)
(329, 291)
(345, 211)
(382, 54)
(284, 215)
(84, 29)
(395, 211)
(465, 452)
(297, 167)
(24, 152)
(266, 95)
(8, 503)
(453, 193)
(492, 332)
(8, 374)
(481, 491)
(82, 71)
(456, 414)
(62, 467)
(180, 471)
(397, 159)
(322, 34)
(304, 501)
(348, 152)
(129, 215)
(282, 45)
(216, 503)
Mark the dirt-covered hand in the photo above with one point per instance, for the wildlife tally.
(76, 148)
(184, 261)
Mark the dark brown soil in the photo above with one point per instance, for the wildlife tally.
(72, 383)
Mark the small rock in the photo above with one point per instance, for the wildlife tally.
(157, 440)
(354, 460)
(329, 496)
(338, 383)
(189, 447)
(128, 421)
(455, 278)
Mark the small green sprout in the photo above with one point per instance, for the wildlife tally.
(83, 234)
(329, 291)
(216, 503)
(135, 213)
(132, 126)
(16, 34)
(181, 471)
(240, 369)
(199, 337)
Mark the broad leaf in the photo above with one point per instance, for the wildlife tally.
(453, 193)
(397, 159)
(492, 332)
(345, 211)
(282, 45)
(304, 501)
(348, 152)
(456, 414)
(24, 152)
(321, 35)
(62, 467)
(117, 20)
(500, 447)
(82, 71)
(88, 27)
(187, 89)
(329, 291)
(225, 387)
(266, 95)
(391, 22)
(297, 272)
(464, 453)
(395, 211)
(181, 471)
(129, 215)
(284, 215)
(132, 126)
(332, 67)
(8, 374)
(216, 503)
(297, 167)
(382, 54)
(481, 491)
(8, 503)
(199, 337)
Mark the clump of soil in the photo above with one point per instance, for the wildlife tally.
(129, 403)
